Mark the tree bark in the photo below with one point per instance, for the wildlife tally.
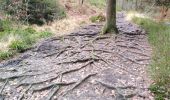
(110, 17)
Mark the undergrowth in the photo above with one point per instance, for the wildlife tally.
(16, 38)
(33, 11)
(159, 37)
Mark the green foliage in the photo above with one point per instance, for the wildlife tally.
(163, 3)
(18, 39)
(159, 37)
(98, 3)
(34, 11)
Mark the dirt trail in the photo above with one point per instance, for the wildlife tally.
(81, 66)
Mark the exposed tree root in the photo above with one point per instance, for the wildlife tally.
(78, 61)
(23, 93)
(54, 77)
(76, 69)
(36, 89)
(2, 88)
(25, 74)
(52, 92)
(126, 46)
(105, 51)
(101, 38)
(132, 60)
(38, 82)
(105, 61)
(108, 86)
(139, 53)
(58, 52)
(79, 83)
(73, 55)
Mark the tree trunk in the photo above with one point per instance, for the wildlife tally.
(110, 17)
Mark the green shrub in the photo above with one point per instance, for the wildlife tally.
(34, 11)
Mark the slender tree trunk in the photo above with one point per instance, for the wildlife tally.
(110, 17)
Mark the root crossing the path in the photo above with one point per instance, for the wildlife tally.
(82, 66)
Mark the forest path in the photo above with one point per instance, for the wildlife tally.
(82, 66)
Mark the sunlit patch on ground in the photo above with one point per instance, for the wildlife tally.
(132, 14)
(64, 26)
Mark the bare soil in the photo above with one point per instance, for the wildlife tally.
(83, 65)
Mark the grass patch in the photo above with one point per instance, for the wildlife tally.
(16, 39)
(5, 54)
(159, 37)
(98, 3)
(18, 45)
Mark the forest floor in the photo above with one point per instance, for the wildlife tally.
(83, 65)
(77, 15)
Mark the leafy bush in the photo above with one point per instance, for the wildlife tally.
(34, 11)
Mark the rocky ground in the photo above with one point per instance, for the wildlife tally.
(82, 66)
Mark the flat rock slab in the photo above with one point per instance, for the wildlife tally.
(82, 66)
